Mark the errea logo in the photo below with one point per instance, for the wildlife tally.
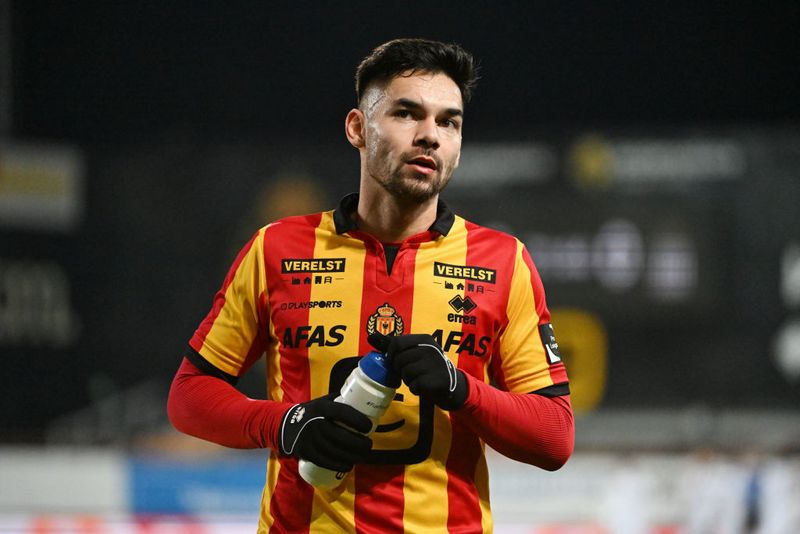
(458, 303)
(464, 306)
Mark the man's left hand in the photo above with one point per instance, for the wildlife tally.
(424, 367)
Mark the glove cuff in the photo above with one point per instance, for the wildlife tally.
(458, 396)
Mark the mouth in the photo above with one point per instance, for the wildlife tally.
(422, 164)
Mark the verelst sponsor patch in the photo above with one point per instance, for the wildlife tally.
(465, 272)
(312, 265)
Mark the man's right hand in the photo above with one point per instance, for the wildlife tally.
(315, 431)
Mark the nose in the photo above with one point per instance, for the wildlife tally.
(427, 135)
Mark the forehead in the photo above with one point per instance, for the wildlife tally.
(428, 89)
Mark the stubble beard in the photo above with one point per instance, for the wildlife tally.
(405, 185)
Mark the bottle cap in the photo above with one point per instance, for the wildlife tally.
(376, 366)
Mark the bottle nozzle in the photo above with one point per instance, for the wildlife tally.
(377, 366)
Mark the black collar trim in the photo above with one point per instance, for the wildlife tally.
(345, 222)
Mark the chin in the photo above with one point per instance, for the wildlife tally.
(413, 187)
(409, 193)
(420, 185)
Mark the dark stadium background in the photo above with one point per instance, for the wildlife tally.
(648, 154)
(183, 111)
(115, 72)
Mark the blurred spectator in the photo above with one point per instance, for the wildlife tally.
(779, 505)
(713, 493)
(628, 501)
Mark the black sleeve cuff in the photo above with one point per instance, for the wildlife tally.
(207, 367)
(556, 390)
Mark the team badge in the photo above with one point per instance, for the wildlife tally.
(386, 321)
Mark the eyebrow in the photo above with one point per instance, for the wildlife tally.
(411, 104)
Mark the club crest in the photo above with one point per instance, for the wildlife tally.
(386, 321)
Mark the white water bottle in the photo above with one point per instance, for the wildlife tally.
(369, 389)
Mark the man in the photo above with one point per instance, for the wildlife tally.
(453, 304)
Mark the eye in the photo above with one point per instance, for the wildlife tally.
(450, 123)
(402, 113)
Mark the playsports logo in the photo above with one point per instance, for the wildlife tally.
(311, 304)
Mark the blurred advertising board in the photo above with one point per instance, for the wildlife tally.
(42, 208)
(41, 187)
(222, 486)
(677, 249)
(669, 259)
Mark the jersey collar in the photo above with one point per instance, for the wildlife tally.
(345, 222)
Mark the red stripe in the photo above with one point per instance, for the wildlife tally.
(202, 331)
(379, 502)
(292, 499)
(463, 504)
(464, 511)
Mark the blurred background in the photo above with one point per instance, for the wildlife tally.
(647, 155)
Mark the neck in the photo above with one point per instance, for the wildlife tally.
(390, 220)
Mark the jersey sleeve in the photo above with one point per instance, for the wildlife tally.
(528, 353)
(232, 336)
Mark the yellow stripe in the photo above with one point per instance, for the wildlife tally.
(333, 511)
(272, 354)
(524, 363)
(425, 490)
(274, 374)
(274, 392)
(273, 468)
(328, 506)
(482, 485)
(232, 334)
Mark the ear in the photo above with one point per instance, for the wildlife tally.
(354, 125)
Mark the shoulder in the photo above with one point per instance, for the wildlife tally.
(294, 224)
(477, 233)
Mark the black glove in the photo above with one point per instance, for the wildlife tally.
(425, 369)
(313, 431)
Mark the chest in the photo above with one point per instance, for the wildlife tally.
(334, 297)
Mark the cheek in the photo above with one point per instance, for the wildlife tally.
(377, 149)
(455, 155)
(378, 144)
(372, 141)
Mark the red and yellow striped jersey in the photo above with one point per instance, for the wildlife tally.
(307, 291)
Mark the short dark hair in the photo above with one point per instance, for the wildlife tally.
(401, 55)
